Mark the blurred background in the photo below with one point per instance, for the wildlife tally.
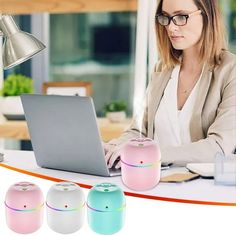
(96, 47)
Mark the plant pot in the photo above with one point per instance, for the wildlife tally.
(12, 107)
(116, 117)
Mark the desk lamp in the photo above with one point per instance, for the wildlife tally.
(18, 46)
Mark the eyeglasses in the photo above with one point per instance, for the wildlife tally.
(179, 20)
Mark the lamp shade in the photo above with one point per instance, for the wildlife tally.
(18, 46)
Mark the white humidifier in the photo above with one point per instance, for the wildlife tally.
(65, 207)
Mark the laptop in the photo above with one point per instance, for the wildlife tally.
(65, 135)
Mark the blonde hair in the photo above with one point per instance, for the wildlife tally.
(212, 40)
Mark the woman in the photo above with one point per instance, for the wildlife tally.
(191, 98)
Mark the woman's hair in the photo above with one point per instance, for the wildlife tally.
(212, 40)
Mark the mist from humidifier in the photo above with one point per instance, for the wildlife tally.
(139, 108)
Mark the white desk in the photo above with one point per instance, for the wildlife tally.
(201, 191)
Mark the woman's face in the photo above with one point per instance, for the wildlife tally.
(187, 36)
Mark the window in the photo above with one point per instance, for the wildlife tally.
(97, 48)
(229, 13)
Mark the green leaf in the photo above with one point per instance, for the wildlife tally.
(17, 84)
(115, 106)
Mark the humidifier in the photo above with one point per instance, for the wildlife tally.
(106, 208)
(140, 164)
(65, 207)
(24, 207)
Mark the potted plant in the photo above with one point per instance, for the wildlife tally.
(15, 85)
(115, 111)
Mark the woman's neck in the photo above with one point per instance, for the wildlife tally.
(190, 60)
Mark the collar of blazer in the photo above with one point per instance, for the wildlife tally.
(196, 130)
(159, 82)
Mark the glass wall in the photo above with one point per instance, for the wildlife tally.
(95, 47)
(228, 8)
(232, 26)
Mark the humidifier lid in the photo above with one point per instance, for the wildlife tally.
(66, 187)
(141, 142)
(106, 187)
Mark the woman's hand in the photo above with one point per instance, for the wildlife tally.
(112, 155)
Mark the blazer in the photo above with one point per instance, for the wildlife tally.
(213, 122)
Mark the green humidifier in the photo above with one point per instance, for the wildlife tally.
(106, 208)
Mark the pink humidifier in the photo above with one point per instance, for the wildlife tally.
(141, 164)
(24, 207)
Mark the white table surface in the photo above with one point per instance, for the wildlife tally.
(195, 191)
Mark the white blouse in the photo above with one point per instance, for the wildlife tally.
(172, 125)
